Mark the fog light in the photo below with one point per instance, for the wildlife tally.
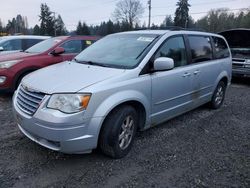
(2, 79)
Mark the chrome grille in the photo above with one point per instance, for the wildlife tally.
(28, 101)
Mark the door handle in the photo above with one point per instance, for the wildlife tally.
(186, 74)
(196, 72)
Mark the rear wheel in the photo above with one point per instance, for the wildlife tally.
(218, 96)
(118, 132)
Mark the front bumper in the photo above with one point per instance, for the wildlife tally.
(57, 131)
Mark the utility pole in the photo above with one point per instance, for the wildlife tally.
(149, 16)
(54, 22)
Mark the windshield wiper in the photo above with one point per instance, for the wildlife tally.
(92, 63)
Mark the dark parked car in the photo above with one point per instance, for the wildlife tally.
(13, 67)
(239, 42)
(10, 44)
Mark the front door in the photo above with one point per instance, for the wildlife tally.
(171, 90)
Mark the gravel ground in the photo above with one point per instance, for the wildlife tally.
(202, 148)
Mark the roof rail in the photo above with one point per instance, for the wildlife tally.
(177, 28)
(172, 28)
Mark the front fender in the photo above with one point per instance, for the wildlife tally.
(118, 98)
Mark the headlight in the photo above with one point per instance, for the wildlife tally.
(69, 103)
(8, 64)
(2, 79)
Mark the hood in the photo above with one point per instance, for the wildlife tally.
(237, 38)
(68, 77)
(14, 56)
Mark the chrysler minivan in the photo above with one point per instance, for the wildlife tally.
(123, 83)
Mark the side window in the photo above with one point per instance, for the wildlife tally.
(220, 48)
(30, 42)
(201, 48)
(174, 48)
(73, 46)
(14, 44)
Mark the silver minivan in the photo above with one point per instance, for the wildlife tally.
(123, 83)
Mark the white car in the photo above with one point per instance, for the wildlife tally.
(10, 44)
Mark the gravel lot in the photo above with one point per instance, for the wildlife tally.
(202, 148)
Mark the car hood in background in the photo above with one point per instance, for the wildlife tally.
(14, 56)
(237, 38)
(68, 77)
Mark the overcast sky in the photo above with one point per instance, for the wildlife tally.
(95, 11)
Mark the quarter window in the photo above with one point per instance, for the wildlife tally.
(201, 48)
(174, 48)
(220, 48)
(73, 46)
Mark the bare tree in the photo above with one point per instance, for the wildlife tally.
(128, 11)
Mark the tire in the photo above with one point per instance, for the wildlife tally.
(118, 132)
(218, 96)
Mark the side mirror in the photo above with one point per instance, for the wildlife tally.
(58, 51)
(1, 48)
(163, 64)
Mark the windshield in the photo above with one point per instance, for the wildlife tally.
(43, 46)
(119, 50)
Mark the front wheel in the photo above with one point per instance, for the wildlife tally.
(118, 132)
(218, 96)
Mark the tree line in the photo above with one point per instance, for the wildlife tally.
(126, 17)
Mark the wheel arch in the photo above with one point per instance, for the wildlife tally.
(222, 77)
(134, 98)
(22, 73)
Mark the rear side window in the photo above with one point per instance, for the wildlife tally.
(30, 42)
(220, 48)
(201, 48)
(14, 44)
(174, 48)
(73, 46)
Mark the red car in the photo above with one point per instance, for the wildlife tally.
(13, 67)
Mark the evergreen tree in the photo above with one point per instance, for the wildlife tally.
(85, 29)
(60, 27)
(82, 29)
(110, 27)
(1, 26)
(79, 28)
(181, 13)
(47, 21)
(168, 22)
(36, 30)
